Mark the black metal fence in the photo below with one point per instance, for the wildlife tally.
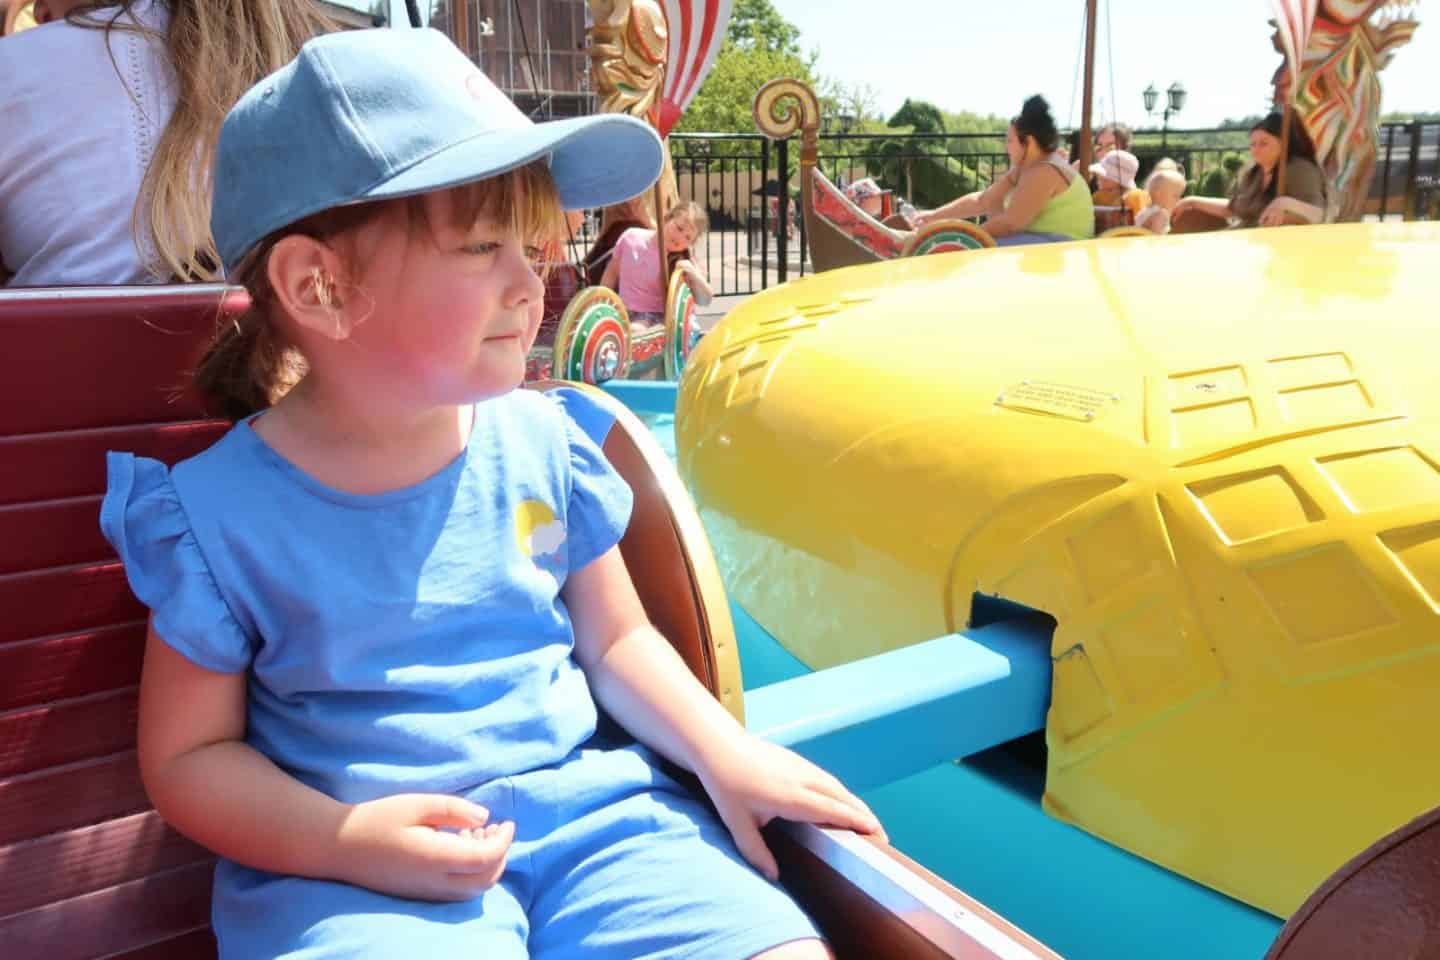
(758, 239)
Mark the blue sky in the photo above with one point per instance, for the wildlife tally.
(988, 57)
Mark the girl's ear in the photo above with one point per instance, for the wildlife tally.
(302, 273)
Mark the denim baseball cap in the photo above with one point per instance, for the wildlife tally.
(374, 114)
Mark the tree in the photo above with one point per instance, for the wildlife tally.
(723, 104)
(757, 25)
(920, 167)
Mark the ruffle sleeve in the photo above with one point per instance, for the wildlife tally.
(145, 522)
(598, 510)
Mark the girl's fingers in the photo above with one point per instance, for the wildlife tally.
(812, 807)
(438, 810)
(750, 843)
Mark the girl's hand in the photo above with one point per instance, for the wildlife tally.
(755, 781)
(396, 845)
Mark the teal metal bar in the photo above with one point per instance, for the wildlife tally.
(643, 396)
(875, 720)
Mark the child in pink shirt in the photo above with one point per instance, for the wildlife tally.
(634, 269)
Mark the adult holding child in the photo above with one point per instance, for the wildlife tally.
(1040, 199)
(1256, 199)
(111, 115)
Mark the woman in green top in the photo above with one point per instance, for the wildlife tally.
(1040, 199)
(1255, 200)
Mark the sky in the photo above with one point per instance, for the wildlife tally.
(988, 57)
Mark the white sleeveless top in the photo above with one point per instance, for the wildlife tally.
(75, 141)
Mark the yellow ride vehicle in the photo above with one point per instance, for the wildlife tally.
(1214, 460)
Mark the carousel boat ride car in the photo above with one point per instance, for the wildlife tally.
(1213, 460)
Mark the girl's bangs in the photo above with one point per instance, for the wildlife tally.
(524, 199)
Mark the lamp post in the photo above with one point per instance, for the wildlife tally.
(1174, 103)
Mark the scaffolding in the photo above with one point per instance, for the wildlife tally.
(534, 50)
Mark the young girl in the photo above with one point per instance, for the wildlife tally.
(634, 269)
(387, 604)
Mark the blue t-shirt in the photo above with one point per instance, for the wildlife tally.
(413, 640)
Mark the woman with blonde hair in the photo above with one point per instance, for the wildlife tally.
(111, 116)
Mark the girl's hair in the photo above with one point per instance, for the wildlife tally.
(1300, 143)
(1035, 121)
(251, 363)
(219, 49)
(689, 208)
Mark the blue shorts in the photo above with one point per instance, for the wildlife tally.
(611, 859)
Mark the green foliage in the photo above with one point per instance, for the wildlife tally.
(920, 168)
(1212, 184)
(723, 104)
(1401, 116)
(757, 25)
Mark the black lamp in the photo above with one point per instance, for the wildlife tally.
(1151, 95)
(1176, 96)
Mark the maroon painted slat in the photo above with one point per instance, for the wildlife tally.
(195, 945)
(51, 736)
(119, 358)
(34, 672)
(65, 600)
(49, 466)
(65, 865)
(55, 533)
(110, 922)
(78, 795)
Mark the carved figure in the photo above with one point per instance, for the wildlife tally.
(1339, 95)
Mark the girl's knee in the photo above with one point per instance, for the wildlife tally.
(797, 950)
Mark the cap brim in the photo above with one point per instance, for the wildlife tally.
(595, 161)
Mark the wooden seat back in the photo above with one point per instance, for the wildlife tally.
(87, 869)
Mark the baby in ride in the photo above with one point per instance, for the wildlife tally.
(1165, 186)
(388, 606)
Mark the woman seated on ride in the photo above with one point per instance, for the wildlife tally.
(103, 178)
(1165, 186)
(1040, 199)
(1255, 200)
(634, 270)
(389, 603)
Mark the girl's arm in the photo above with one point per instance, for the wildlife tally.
(1035, 189)
(611, 277)
(698, 284)
(1215, 206)
(1289, 209)
(989, 202)
(644, 685)
(227, 796)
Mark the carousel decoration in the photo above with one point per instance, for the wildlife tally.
(681, 330)
(593, 344)
(841, 234)
(1337, 96)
